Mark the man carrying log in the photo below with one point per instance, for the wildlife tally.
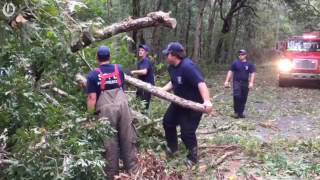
(187, 82)
(144, 73)
(107, 99)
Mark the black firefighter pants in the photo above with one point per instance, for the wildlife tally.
(144, 96)
(188, 121)
(240, 95)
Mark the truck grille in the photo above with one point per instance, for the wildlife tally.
(307, 64)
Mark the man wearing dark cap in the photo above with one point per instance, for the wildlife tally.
(108, 100)
(145, 73)
(187, 82)
(243, 74)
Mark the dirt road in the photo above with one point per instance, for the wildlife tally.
(279, 139)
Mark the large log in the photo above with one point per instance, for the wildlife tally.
(156, 91)
(152, 19)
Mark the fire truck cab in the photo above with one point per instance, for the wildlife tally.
(300, 59)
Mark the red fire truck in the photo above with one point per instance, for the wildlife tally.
(300, 59)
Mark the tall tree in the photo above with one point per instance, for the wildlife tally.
(188, 27)
(135, 14)
(156, 31)
(197, 35)
(223, 42)
(210, 30)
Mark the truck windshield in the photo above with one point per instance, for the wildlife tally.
(303, 45)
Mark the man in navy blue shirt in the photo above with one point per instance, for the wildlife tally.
(107, 99)
(187, 82)
(243, 73)
(145, 73)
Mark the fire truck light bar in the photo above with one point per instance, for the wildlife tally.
(309, 36)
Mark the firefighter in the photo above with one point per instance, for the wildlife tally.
(107, 98)
(145, 73)
(187, 82)
(243, 74)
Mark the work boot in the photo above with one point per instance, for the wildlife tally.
(134, 169)
(171, 152)
(192, 157)
(235, 115)
(242, 116)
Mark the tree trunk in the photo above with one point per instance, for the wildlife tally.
(141, 38)
(152, 19)
(221, 47)
(236, 5)
(218, 49)
(135, 14)
(156, 34)
(237, 27)
(188, 24)
(176, 3)
(197, 34)
(155, 91)
(211, 23)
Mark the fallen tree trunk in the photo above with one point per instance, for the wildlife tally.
(156, 91)
(165, 95)
(152, 19)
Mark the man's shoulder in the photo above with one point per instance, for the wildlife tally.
(251, 63)
(92, 74)
(252, 66)
(188, 63)
(147, 60)
(144, 61)
(119, 66)
(190, 67)
(236, 61)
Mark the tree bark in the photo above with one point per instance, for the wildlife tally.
(197, 34)
(188, 24)
(152, 19)
(156, 91)
(156, 34)
(135, 14)
(236, 32)
(211, 23)
(176, 8)
(236, 5)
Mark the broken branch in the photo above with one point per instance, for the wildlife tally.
(156, 91)
(152, 19)
(222, 158)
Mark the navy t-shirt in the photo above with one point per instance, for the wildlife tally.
(146, 64)
(185, 79)
(93, 80)
(242, 70)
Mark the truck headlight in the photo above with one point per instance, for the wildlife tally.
(285, 65)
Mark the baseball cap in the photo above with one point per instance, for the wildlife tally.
(242, 52)
(145, 47)
(173, 47)
(103, 53)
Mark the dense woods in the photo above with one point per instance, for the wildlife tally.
(45, 130)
